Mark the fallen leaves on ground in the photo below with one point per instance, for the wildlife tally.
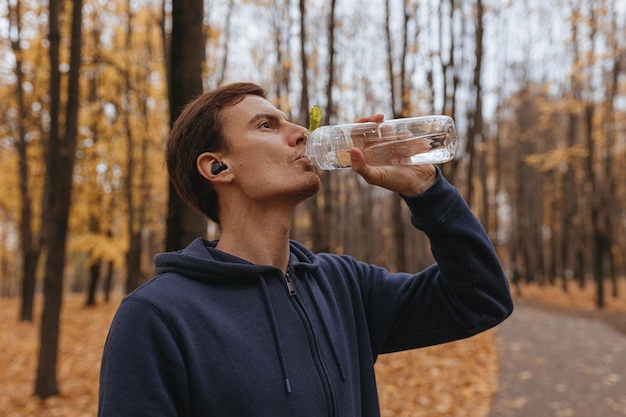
(454, 379)
(457, 379)
(576, 297)
(82, 334)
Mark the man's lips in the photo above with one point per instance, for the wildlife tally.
(303, 157)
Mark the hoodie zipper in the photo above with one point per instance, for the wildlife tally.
(320, 364)
(290, 286)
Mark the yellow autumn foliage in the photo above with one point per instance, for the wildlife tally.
(553, 158)
(100, 247)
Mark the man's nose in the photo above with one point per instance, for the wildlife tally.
(299, 135)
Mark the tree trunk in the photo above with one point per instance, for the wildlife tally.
(133, 255)
(108, 282)
(226, 43)
(186, 51)
(596, 202)
(596, 185)
(133, 262)
(475, 120)
(92, 286)
(322, 209)
(477, 123)
(29, 245)
(450, 80)
(59, 170)
(611, 178)
(399, 233)
(46, 382)
(96, 219)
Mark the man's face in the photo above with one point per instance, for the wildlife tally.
(266, 152)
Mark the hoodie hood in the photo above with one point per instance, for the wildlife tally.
(201, 260)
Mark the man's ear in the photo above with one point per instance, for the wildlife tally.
(211, 167)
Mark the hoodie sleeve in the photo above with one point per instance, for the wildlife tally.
(464, 293)
(142, 372)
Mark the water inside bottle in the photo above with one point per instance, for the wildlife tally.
(425, 149)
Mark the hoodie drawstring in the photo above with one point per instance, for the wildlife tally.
(279, 347)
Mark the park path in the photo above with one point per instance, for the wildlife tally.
(559, 365)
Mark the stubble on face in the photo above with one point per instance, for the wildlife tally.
(309, 189)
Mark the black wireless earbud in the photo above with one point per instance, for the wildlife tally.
(217, 167)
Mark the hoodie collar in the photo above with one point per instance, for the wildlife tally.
(201, 260)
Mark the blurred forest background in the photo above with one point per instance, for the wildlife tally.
(89, 89)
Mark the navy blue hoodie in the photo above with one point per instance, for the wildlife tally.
(213, 335)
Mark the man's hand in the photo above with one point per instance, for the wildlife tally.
(408, 180)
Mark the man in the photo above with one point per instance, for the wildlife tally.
(255, 324)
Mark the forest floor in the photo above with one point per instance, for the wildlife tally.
(576, 301)
(455, 379)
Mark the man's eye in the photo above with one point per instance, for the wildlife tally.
(266, 125)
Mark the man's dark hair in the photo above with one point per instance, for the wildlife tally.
(198, 129)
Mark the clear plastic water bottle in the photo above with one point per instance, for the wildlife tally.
(408, 141)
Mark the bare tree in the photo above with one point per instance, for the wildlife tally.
(399, 88)
(321, 204)
(450, 70)
(475, 131)
(226, 42)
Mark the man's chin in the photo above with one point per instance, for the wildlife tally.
(310, 189)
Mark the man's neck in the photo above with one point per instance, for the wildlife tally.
(257, 239)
